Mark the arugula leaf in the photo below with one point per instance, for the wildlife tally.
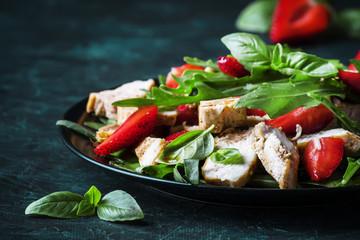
(356, 63)
(256, 17)
(62, 204)
(227, 156)
(202, 63)
(106, 120)
(157, 171)
(348, 123)
(353, 166)
(164, 98)
(77, 128)
(197, 144)
(119, 206)
(277, 99)
(249, 49)
(162, 79)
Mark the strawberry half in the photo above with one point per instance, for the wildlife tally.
(351, 79)
(351, 66)
(187, 113)
(322, 156)
(177, 72)
(298, 20)
(311, 120)
(139, 125)
(231, 67)
(172, 137)
(255, 112)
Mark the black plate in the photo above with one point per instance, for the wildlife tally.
(259, 197)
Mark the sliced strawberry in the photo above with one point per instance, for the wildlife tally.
(351, 79)
(311, 120)
(139, 125)
(351, 66)
(231, 67)
(322, 156)
(187, 113)
(172, 137)
(298, 20)
(255, 112)
(177, 72)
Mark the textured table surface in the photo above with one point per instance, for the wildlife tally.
(53, 53)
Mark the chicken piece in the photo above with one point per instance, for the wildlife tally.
(101, 102)
(104, 132)
(253, 120)
(352, 141)
(166, 118)
(278, 155)
(221, 113)
(149, 149)
(124, 113)
(233, 175)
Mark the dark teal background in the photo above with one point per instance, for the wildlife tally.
(53, 53)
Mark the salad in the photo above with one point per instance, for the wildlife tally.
(261, 116)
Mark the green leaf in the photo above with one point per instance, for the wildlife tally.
(353, 166)
(77, 128)
(202, 63)
(157, 171)
(197, 144)
(277, 99)
(94, 125)
(58, 204)
(349, 19)
(85, 209)
(119, 206)
(106, 120)
(179, 173)
(347, 123)
(305, 64)
(248, 49)
(227, 156)
(93, 195)
(356, 63)
(256, 17)
(191, 167)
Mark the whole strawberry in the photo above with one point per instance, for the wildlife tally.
(231, 67)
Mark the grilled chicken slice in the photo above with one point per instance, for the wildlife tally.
(149, 149)
(101, 102)
(221, 113)
(352, 141)
(278, 155)
(233, 175)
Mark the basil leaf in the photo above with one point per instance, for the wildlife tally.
(191, 167)
(305, 64)
(248, 49)
(277, 99)
(202, 63)
(353, 166)
(356, 63)
(349, 20)
(197, 144)
(348, 123)
(58, 204)
(85, 209)
(178, 172)
(93, 195)
(256, 17)
(227, 156)
(118, 206)
(94, 125)
(157, 171)
(77, 128)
